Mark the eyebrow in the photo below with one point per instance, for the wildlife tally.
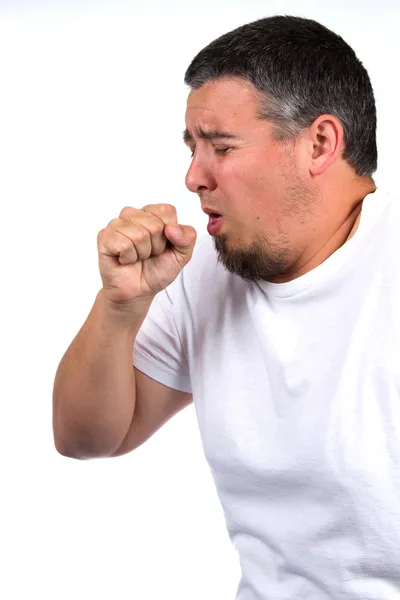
(210, 134)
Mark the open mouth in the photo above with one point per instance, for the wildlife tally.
(215, 223)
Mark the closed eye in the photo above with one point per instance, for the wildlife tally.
(219, 151)
(222, 151)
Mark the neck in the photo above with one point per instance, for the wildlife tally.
(329, 241)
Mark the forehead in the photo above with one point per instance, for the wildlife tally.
(224, 101)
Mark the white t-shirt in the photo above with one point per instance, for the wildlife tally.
(296, 388)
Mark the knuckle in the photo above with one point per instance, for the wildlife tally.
(161, 209)
(155, 227)
(124, 245)
(140, 235)
(127, 212)
(155, 231)
(168, 209)
(113, 223)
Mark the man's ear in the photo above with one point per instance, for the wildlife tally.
(327, 138)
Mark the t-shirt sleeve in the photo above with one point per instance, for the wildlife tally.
(158, 350)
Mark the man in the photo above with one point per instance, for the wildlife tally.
(283, 328)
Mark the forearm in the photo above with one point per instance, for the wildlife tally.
(94, 387)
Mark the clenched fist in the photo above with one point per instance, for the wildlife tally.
(142, 252)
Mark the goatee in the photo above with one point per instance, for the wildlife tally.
(261, 260)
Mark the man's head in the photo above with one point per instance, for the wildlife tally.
(297, 111)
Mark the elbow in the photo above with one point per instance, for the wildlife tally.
(81, 450)
(67, 451)
(81, 442)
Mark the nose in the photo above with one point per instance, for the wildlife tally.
(199, 177)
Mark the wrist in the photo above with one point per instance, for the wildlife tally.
(126, 316)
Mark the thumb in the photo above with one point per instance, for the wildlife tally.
(183, 238)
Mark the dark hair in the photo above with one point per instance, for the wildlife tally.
(303, 70)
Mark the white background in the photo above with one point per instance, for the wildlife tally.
(92, 107)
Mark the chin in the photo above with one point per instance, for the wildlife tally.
(254, 261)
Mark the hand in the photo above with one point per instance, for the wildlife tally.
(142, 252)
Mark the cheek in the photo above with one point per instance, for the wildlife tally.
(240, 176)
(228, 172)
(253, 186)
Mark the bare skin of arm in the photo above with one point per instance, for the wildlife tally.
(102, 405)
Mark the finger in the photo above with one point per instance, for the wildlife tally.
(130, 217)
(148, 241)
(112, 243)
(183, 240)
(166, 212)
